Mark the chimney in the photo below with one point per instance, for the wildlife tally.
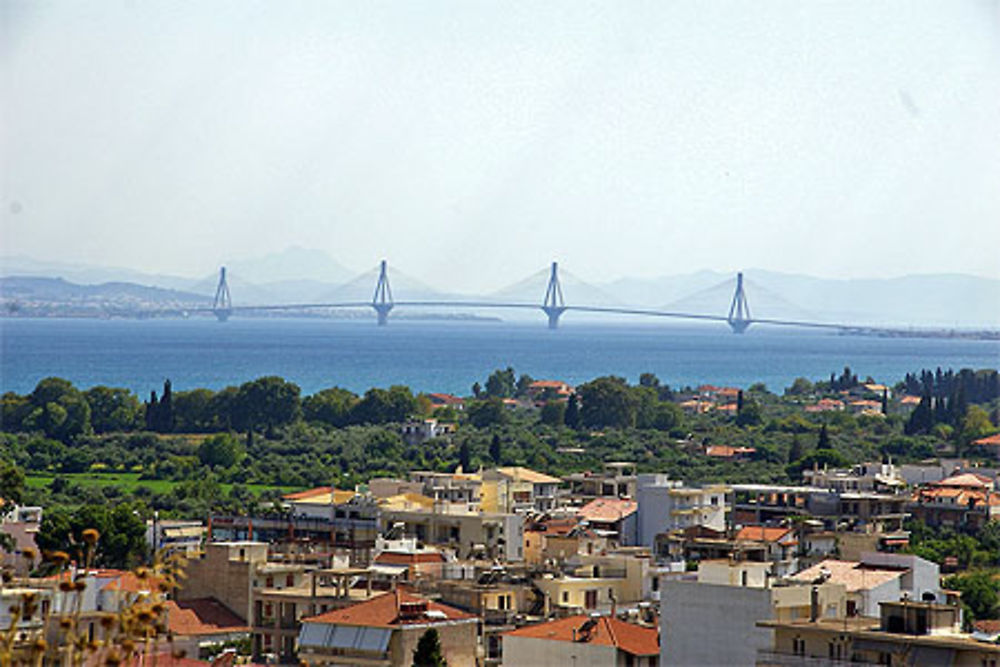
(814, 604)
(614, 605)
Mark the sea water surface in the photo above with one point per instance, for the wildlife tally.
(446, 356)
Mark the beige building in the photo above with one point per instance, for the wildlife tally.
(468, 533)
(385, 631)
(517, 489)
(917, 634)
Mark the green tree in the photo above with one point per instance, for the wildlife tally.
(976, 424)
(800, 387)
(795, 452)
(751, 414)
(523, 383)
(553, 413)
(501, 383)
(113, 409)
(222, 450)
(14, 410)
(384, 406)
(823, 441)
(267, 401)
(649, 380)
(491, 412)
(58, 409)
(122, 529)
(11, 495)
(330, 406)
(922, 418)
(428, 651)
(465, 456)
(979, 593)
(495, 451)
(608, 402)
(193, 411)
(572, 416)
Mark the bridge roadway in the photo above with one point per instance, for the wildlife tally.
(614, 310)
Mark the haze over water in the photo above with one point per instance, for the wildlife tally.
(446, 356)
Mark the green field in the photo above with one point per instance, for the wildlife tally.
(129, 481)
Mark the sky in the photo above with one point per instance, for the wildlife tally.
(477, 141)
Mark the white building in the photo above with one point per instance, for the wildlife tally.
(666, 505)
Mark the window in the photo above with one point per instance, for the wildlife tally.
(269, 582)
(743, 578)
(290, 580)
(565, 596)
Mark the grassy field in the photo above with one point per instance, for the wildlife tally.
(129, 481)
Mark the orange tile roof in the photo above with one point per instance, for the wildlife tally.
(447, 399)
(968, 480)
(389, 611)
(727, 452)
(398, 558)
(544, 384)
(988, 440)
(522, 474)
(910, 400)
(557, 527)
(140, 659)
(203, 616)
(130, 583)
(854, 576)
(987, 626)
(607, 509)
(322, 494)
(763, 533)
(608, 631)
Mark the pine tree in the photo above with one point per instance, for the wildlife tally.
(428, 651)
(739, 401)
(885, 401)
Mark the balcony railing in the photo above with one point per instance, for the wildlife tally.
(769, 658)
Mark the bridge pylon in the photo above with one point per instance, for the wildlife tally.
(553, 305)
(382, 300)
(739, 311)
(222, 306)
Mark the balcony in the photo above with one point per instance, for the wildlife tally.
(769, 658)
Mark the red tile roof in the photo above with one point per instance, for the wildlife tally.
(763, 534)
(607, 509)
(391, 610)
(203, 616)
(607, 631)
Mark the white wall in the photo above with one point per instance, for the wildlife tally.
(530, 652)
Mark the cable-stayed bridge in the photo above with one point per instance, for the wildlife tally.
(553, 305)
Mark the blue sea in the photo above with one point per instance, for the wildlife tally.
(446, 356)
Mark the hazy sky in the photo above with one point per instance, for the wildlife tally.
(477, 141)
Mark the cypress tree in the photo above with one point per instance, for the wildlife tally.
(428, 651)
(824, 439)
(572, 416)
(495, 449)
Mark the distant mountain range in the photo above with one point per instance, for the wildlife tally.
(299, 275)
